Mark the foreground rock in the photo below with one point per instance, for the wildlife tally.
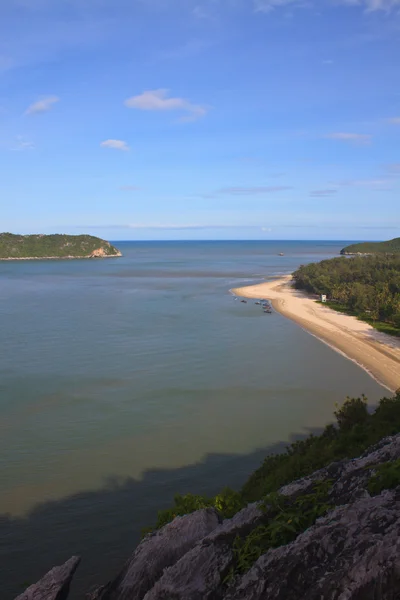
(54, 585)
(352, 553)
(158, 551)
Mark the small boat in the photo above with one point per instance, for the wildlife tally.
(258, 303)
(281, 254)
(244, 301)
(268, 312)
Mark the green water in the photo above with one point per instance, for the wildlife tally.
(126, 380)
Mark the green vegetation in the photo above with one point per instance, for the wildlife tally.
(365, 286)
(386, 477)
(355, 431)
(54, 246)
(286, 519)
(390, 247)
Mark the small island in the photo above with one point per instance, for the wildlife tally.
(390, 247)
(57, 246)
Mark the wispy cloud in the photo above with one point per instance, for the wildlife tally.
(158, 100)
(394, 168)
(129, 188)
(394, 121)
(42, 106)
(245, 191)
(322, 193)
(373, 184)
(115, 145)
(201, 12)
(367, 5)
(6, 62)
(22, 143)
(372, 5)
(268, 5)
(353, 138)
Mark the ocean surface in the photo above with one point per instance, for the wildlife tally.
(124, 381)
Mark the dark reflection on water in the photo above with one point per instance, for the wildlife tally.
(104, 526)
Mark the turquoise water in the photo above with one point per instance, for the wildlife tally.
(123, 381)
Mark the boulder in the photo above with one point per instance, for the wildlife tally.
(157, 551)
(54, 585)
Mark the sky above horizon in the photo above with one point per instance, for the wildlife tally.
(201, 119)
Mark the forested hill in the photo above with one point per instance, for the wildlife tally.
(365, 286)
(54, 246)
(390, 247)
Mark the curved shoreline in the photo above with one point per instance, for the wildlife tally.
(377, 353)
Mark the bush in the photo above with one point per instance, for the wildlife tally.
(353, 412)
(386, 477)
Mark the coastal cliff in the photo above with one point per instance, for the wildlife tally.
(350, 551)
(57, 246)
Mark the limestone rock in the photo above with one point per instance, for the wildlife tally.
(156, 552)
(54, 585)
(198, 574)
(351, 554)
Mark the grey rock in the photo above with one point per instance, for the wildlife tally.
(349, 477)
(200, 573)
(351, 554)
(54, 585)
(156, 552)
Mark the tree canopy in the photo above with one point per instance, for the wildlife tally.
(390, 247)
(367, 286)
(53, 246)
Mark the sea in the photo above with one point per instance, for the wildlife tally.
(127, 380)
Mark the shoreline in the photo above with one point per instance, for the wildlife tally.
(375, 352)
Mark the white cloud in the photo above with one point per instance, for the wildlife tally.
(115, 145)
(42, 106)
(355, 138)
(394, 120)
(158, 100)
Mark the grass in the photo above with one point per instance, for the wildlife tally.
(381, 326)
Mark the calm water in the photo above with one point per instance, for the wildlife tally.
(126, 380)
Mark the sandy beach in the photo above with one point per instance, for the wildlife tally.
(377, 353)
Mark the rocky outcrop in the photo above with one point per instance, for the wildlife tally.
(352, 553)
(156, 552)
(54, 585)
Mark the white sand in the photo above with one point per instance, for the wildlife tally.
(377, 353)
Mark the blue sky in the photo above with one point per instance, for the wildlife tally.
(201, 119)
